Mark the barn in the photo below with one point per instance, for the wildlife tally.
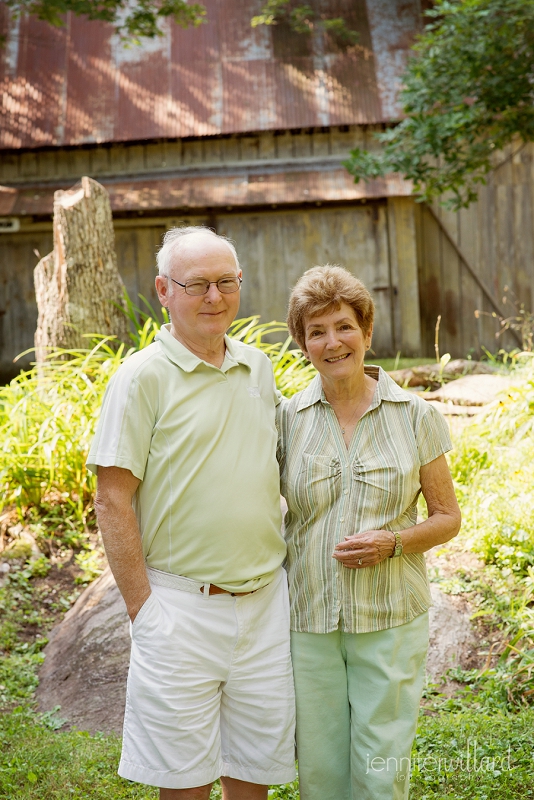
(246, 130)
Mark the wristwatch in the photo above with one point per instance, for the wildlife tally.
(397, 550)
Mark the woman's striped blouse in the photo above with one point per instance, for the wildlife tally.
(333, 492)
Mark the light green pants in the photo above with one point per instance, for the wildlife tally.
(357, 699)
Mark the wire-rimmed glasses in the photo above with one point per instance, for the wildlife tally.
(198, 286)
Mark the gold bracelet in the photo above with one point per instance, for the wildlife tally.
(397, 550)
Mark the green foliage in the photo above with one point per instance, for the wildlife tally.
(302, 18)
(36, 762)
(473, 756)
(47, 420)
(19, 658)
(292, 372)
(467, 756)
(492, 469)
(143, 18)
(133, 19)
(48, 417)
(18, 549)
(40, 567)
(468, 93)
(90, 562)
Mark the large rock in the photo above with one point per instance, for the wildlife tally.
(452, 639)
(86, 660)
(473, 390)
(431, 376)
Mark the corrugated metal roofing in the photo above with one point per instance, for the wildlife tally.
(78, 84)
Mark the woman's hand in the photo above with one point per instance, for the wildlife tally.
(365, 549)
(444, 519)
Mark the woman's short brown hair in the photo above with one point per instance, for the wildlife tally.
(323, 288)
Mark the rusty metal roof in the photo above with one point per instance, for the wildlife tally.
(79, 85)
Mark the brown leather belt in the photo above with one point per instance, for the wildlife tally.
(217, 590)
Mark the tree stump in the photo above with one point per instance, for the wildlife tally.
(77, 285)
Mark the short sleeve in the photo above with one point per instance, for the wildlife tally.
(432, 434)
(125, 427)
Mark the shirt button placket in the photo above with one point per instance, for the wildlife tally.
(345, 478)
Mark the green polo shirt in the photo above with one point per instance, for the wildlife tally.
(202, 441)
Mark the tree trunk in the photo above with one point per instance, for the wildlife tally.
(77, 285)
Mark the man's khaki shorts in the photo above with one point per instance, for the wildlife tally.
(210, 689)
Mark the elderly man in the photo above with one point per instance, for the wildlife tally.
(188, 506)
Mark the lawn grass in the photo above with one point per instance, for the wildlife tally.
(473, 756)
(465, 756)
(36, 762)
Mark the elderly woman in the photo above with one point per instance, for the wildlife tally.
(355, 452)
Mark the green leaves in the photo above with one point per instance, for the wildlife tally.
(302, 18)
(468, 92)
(48, 415)
(132, 18)
(292, 371)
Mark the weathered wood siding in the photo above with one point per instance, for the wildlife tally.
(418, 262)
(494, 238)
(275, 248)
(18, 307)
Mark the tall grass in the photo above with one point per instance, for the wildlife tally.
(48, 414)
(492, 466)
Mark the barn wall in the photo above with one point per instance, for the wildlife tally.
(18, 309)
(275, 248)
(493, 238)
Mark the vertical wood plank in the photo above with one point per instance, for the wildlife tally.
(148, 243)
(173, 154)
(451, 333)
(266, 145)
(29, 164)
(154, 155)
(9, 167)
(404, 242)
(126, 248)
(302, 145)
(284, 145)
(212, 150)
(250, 148)
(99, 161)
(18, 308)
(48, 167)
(321, 144)
(135, 156)
(231, 149)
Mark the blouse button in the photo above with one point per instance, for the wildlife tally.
(342, 519)
(345, 491)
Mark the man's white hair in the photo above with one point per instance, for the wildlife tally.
(173, 238)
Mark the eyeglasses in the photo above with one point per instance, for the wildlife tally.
(199, 286)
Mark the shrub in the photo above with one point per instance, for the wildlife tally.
(48, 415)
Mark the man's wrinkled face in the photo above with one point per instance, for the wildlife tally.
(204, 318)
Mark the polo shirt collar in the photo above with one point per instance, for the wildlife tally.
(235, 353)
(180, 355)
(386, 389)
